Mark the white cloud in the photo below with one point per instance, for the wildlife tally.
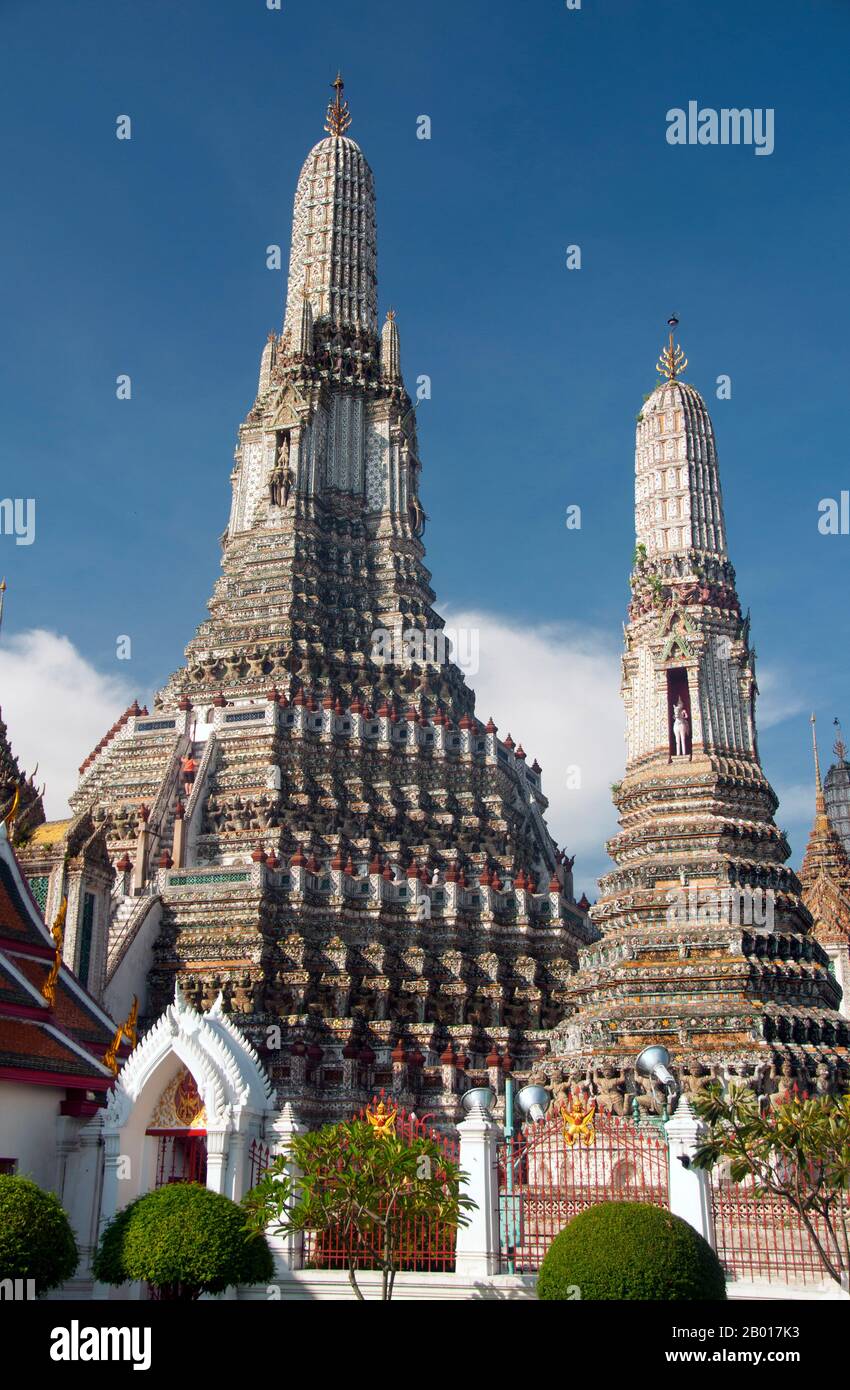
(778, 699)
(556, 689)
(56, 706)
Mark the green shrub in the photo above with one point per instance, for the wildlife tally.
(36, 1240)
(184, 1240)
(630, 1250)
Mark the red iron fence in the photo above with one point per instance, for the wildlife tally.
(554, 1169)
(181, 1158)
(763, 1238)
(420, 1245)
(259, 1159)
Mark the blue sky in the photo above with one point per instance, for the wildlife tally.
(548, 129)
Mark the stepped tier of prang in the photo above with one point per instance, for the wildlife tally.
(332, 837)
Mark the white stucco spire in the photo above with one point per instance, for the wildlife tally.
(333, 258)
(390, 350)
(678, 502)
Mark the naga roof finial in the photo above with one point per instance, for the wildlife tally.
(672, 360)
(339, 116)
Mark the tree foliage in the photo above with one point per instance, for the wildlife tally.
(184, 1240)
(798, 1151)
(36, 1240)
(363, 1188)
(630, 1250)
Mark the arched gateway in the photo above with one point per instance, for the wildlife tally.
(188, 1104)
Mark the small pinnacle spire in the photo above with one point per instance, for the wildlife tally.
(339, 116)
(839, 747)
(3, 600)
(819, 801)
(672, 360)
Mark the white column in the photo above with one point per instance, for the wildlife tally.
(217, 1145)
(478, 1243)
(112, 1158)
(690, 1188)
(290, 1247)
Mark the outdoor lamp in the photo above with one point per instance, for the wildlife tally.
(478, 1095)
(652, 1062)
(533, 1101)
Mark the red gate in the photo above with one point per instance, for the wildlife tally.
(552, 1170)
(420, 1245)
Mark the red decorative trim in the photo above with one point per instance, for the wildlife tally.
(28, 949)
(28, 1076)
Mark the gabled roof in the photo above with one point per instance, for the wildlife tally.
(58, 1044)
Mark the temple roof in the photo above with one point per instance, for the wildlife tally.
(56, 1043)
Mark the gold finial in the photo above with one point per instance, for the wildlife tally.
(391, 314)
(339, 116)
(839, 747)
(672, 360)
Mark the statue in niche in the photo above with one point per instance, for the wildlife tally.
(680, 727)
(280, 483)
(416, 515)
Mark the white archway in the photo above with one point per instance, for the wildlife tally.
(233, 1087)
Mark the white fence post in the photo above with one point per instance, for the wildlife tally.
(477, 1250)
(690, 1188)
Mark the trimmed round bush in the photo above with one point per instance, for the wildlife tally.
(184, 1240)
(36, 1240)
(630, 1250)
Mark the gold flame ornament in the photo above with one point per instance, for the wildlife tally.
(382, 1119)
(672, 361)
(339, 116)
(127, 1030)
(9, 818)
(48, 989)
(577, 1122)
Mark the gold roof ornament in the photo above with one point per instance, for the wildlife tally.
(9, 818)
(339, 116)
(127, 1030)
(48, 989)
(672, 361)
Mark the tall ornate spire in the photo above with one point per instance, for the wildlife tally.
(700, 869)
(333, 258)
(678, 501)
(338, 117)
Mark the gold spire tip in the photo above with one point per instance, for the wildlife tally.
(339, 116)
(672, 361)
